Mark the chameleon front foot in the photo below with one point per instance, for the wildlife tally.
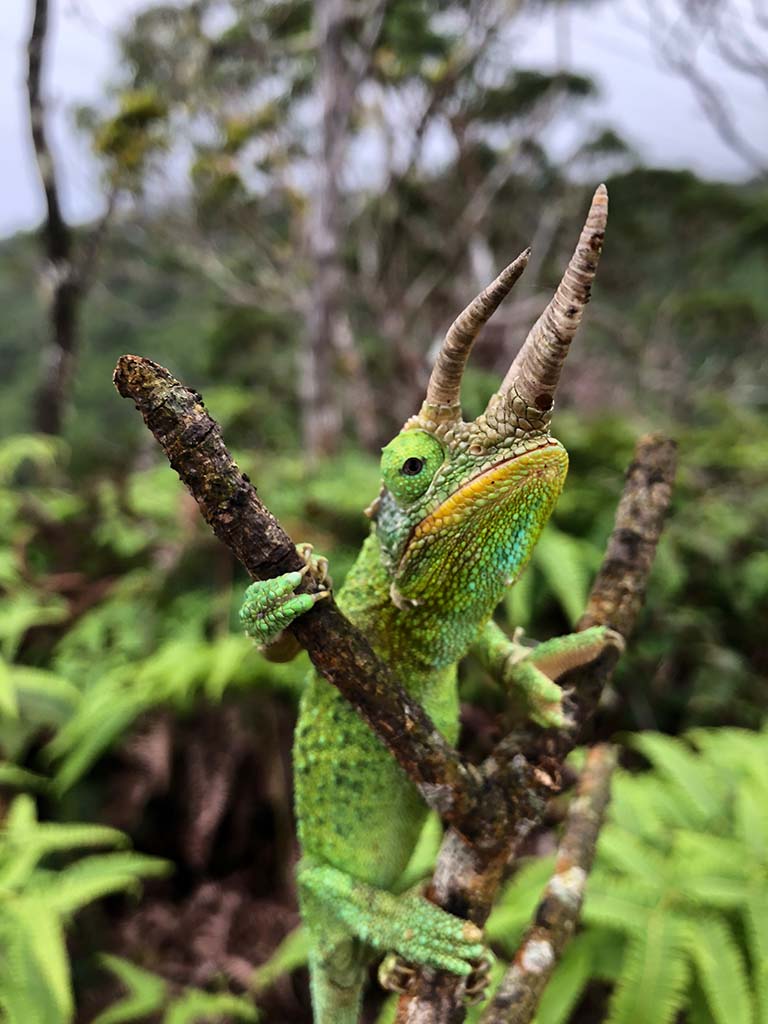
(533, 672)
(270, 606)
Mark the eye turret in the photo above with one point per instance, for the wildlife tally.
(409, 463)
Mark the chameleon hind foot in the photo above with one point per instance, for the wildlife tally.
(270, 606)
(411, 925)
(395, 975)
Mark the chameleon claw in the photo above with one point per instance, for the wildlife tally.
(478, 981)
(395, 974)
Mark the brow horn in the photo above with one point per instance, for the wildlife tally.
(443, 391)
(533, 376)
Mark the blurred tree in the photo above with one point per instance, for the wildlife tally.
(736, 34)
(70, 263)
(425, 121)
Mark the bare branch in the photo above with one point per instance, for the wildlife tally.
(491, 809)
(192, 441)
(467, 875)
(557, 915)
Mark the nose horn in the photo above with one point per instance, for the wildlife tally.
(528, 390)
(443, 400)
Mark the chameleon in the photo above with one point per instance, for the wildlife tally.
(461, 507)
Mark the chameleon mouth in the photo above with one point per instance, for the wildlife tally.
(485, 486)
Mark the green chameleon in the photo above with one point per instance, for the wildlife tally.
(460, 510)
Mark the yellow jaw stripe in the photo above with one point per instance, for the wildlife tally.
(548, 461)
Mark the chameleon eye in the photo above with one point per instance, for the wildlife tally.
(409, 463)
(412, 466)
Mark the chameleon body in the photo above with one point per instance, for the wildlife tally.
(461, 508)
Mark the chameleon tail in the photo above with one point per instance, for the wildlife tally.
(334, 1002)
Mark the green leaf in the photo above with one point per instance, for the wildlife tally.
(567, 983)
(518, 901)
(651, 988)
(20, 778)
(89, 879)
(196, 1007)
(146, 992)
(691, 774)
(34, 970)
(565, 563)
(721, 971)
(755, 916)
(293, 952)
(623, 904)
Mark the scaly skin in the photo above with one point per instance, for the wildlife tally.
(461, 508)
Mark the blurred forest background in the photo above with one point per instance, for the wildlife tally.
(298, 197)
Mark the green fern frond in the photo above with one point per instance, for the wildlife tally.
(293, 952)
(693, 777)
(517, 903)
(721, 971)
(34, 970)
(755, 917)
(86, 880)
(622, 904)
(751, 815)
(627, 854)
(566, 564)
(704, 853)
(196, 1007)
(567, 984)
(651, 988)
(146, 992)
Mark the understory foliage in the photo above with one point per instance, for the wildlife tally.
(675, 919)
(117, 605)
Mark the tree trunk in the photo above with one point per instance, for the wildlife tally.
(329, 337)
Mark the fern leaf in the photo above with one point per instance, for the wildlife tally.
(751, 815)
(622, 904)
(97, 876)
(19, 778)
(196, 1007)
(756, 926)
(629, 855)
(34, 969)
(227, 654)
(292, 952)
(692, 775)
(567, 983)
(146, 992)
(721, 971)
(651, 988)
(518, 901)
(715, 892)
(85, 750)
(565, 563)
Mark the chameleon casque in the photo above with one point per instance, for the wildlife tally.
(461, 507)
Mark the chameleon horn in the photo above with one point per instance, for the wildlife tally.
(529, 387)
(443, 401)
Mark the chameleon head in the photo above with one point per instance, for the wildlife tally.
(463, 503)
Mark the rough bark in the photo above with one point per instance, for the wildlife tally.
(66, 274)
(60, 280)
(557, 914)
(329, 333)
(467, 874)
(490, 809)
(192, 441)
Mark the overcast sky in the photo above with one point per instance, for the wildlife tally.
(648, 104)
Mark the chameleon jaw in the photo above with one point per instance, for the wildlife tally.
(480, 488)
